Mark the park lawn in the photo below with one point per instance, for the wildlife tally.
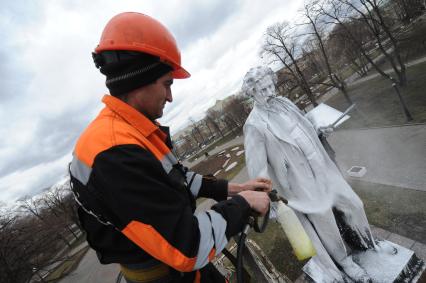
(215, 162)
(222, 140)
(378, 104)
(398, 210)
(411, 43)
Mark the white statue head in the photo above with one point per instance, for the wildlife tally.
(259, 84)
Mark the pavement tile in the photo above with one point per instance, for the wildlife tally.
(401, 240)
(380, 233)
(420, 250)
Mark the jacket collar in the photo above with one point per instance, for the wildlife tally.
(133, 117)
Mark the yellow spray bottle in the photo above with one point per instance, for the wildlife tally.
(299, 240)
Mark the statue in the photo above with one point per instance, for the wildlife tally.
(283, 145)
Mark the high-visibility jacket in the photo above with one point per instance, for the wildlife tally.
(137, 202)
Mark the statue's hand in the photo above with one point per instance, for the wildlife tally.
(258, 184)
(325, 131)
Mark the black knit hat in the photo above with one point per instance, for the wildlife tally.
(128, 70)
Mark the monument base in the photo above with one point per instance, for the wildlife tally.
(389, 263)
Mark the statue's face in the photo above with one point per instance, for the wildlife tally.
(259, 83)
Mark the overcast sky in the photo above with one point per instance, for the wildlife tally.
(51, 89)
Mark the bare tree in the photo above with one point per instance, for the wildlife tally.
(196, 129)
(214, 117)
(60, 202)
(314, 67)
(235, 108)
(344, 51)
(281, 45)
(188, 144)
(339, 13)
(371, 14)
(407, 10)
(36, 208)
(312, 14)
(207, 125)
(230, 122)
(27, 246)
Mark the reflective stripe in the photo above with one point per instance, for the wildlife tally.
(79, 170)
(152, 242)
(219, 229)
(172, 158)
(196, 185)
(212, 235)
(167, 165)
(189, 176)
(168, 161)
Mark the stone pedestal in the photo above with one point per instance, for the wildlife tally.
(390, 263)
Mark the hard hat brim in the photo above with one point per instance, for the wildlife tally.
(181, 73)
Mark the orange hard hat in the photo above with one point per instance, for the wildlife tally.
(133, 31)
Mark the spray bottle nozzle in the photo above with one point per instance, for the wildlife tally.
(275, 197)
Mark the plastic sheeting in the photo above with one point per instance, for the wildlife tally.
(325, 116)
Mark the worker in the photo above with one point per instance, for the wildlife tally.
(283, 145)
(136, 201)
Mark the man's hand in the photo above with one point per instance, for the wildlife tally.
(258, 184)
(258, 201)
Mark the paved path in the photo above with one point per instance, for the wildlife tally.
(387, 71)
(392, 156)
(356, 79)
(91, 271)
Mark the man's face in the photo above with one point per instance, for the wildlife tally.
(151, 99)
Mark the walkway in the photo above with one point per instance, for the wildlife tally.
(355, 79)
(387, 71)
(91, 271)
(392, 156)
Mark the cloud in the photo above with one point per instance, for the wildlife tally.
(219, 61)
(33, 180)
(200, 19)
(51, 89)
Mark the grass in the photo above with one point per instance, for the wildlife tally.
(215, 162)
(277, 248)
(411, 43)
(377, 102)
(230, 136)
(232, 173)
(398, 210)
(66, 266)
